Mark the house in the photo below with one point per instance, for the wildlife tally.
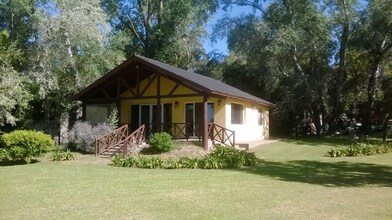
(185, 104)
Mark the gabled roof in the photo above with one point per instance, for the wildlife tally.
(200, 82)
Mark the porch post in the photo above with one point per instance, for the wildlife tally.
(205, 123)
(158, 117)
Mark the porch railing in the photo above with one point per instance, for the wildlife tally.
(177, 130)
(136, 138)
(187, 130)
(110, 140)
(221, 134)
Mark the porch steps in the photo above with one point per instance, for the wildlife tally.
(118, 149)
(111, 152)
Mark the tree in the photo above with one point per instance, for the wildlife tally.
(169, 31)
(387, 103)
(284, 55)
(343, 16)
(13, 94)
(72, 48)
(16, 18)
(374, 39)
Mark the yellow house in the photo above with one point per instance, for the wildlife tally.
(185, 104)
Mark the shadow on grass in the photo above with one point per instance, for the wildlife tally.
(317, 141)
(17, 162)
(327, 174)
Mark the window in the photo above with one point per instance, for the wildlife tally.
(236, 114)
(98, 113)
(260, 116)
(210, 111)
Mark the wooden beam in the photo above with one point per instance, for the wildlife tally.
(148, 85)
(158, 117)
(100, 101)
(137, 80)
(167, 74)
(174, 88)
(118, 87)
(128, 86)
(163, 96)
(205, 122)
(110, 100)
(183, 84)
(105, 93)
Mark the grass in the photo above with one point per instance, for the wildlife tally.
(295, 182)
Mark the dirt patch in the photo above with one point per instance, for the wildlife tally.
(185, 149)
(181, 149)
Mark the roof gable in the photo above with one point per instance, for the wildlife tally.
(200, 82)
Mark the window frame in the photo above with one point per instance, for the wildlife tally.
(260, 117)
(237, 115)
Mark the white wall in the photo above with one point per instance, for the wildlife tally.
(250, 130)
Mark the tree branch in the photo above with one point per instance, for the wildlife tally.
(135, 32)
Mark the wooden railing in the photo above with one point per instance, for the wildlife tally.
(178, 130)
(136, 138)
(221, 134)
(110, 140)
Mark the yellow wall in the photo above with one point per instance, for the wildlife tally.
(250, 130)
(166, 86)
(178, 111)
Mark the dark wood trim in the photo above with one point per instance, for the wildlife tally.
(137, 80)
(158, 119)
(163, 96)
(148, 85)
(118, 87)
(192, 85)
(174, 88)
(105, 93)
(128, 86)
(112, 100)
(100, 101)
(205, 122)
(183, 84)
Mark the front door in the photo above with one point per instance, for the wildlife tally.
(194, 118)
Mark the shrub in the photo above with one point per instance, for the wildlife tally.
(3, 154)
(359, 149)
(25, 144)
(61, 155)
(222, 157)
(232, 158)
(82, 135)
(113, 119)
(160, 142)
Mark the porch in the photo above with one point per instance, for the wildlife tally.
(123, 140)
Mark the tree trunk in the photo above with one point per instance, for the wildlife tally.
(385, 127)
(341, 72)
(317, 118)
(371, 92)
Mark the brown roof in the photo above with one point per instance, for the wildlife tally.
(200, 82)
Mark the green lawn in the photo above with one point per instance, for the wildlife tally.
(294, 182)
